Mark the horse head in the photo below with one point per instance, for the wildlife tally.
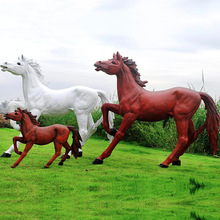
(118, 65)
(111, 66)
(17, 68)
(17, 115)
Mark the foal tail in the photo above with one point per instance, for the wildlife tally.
(76, 145)
(211, 122)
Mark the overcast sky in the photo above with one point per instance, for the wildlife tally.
(171, 41)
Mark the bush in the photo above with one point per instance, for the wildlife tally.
(68, 119)
(4, 123)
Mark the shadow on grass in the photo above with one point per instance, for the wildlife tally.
(193, 215)
(195, 186)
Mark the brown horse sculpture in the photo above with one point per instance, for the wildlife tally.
(136, 103)
(33, 134)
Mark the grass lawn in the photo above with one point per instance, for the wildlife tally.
(128, 185)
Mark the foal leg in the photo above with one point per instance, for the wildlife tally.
(58, 148)
(68, 148)
(127, 121)
(18, 140)
(182, 129)
(24, 153)
(13, 105)
(11, 149)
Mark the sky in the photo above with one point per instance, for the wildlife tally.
(173, 42)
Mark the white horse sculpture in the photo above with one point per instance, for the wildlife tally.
(41, 100)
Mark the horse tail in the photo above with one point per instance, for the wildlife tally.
(76, 145)
(212, 121)
(104, 99)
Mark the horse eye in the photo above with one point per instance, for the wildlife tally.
(19, 63)
(113, 62)
(16, 113)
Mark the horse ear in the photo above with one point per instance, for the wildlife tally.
(119, 58)
(19, 109)
(114, 56)
(22, 57)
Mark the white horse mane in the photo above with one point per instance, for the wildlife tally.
(37, 70)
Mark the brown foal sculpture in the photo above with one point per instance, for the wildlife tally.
(136, 103)
(33, 134)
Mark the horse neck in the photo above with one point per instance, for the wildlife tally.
(26, 124)
(32, 84)
(126, 83)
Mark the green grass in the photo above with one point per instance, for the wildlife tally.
(129, 184)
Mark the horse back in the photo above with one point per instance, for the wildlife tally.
(155, 106)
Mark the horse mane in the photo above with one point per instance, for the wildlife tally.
(32, 117)
(37, 70)
(133, 68)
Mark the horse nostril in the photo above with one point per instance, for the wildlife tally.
(6, 63)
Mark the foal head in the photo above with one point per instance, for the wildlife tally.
(18, 115)
(15, 116)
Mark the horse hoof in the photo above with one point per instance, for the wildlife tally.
(163, 166)
(60, 163)
(80, 154)
(6, 155)
(45, 167)
(13, 167)
(176, 163)
(68, 157)
(97, 161)
(113, 131)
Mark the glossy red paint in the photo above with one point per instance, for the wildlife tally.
(33, 134)
(136, 103)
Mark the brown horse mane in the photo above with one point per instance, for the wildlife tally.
(32, 117)
(133, 68)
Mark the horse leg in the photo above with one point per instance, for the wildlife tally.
(58, 148)
(83, 120)
(127, 121)
(68, 148)
(11, 149)
(24, 153)
(192, 138)
(182, 129)
(106, 107)
(91, 127)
